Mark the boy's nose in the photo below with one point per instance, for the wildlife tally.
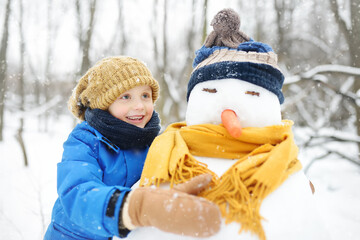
(138, 104)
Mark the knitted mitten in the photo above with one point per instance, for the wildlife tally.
(175, 210)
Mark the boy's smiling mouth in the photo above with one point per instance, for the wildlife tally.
(135, 118)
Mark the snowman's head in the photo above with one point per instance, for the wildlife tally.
(253, 105)
(233, 72)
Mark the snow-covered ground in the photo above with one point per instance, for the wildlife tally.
(28, 193)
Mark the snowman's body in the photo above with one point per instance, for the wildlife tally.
(289, 214)
(290, 211)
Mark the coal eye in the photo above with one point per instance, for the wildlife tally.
(253, 93)
(210, 90)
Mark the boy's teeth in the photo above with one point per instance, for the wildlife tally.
(135, 118)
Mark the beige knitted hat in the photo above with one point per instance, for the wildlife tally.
(106, 81)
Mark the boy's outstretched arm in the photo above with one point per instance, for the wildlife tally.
(174, 210)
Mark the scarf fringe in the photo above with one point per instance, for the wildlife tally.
(237, 204)
(187, 168)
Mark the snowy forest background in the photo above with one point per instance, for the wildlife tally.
(46, 45)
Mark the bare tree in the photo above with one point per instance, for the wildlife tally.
(168, 107)
(334, 97)
(44, 91)
(51, 28)
(205, 22)
(85, 34)
(165, 104)
(351, 33)
(49, 56)
(3, 66)
(119, 39)
(192, 42)
(121, 23)
(173, 76)
(284, 14)
(19, 134)
(154, 38)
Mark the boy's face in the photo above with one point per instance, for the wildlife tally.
(134, 106)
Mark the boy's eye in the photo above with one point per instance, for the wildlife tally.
(125, 97)
(146, 95)
(253, 93)
(210, 90)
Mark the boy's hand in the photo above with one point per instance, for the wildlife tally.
(173, 210)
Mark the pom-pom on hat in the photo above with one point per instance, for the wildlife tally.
(106, 81)
(230, 53)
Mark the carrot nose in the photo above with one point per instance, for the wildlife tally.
(231, 123)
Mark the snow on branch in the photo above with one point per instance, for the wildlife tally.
(39, 110)
(316, 75)
(312, 39)
(338, 137)
(329, 68)
(330, 152)
(323, 137)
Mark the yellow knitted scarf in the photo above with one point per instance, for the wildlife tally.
(263, 159)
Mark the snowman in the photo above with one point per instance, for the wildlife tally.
(234, 131)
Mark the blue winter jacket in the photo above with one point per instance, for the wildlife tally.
(92, 179)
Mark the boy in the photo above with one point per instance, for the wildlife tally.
(104, 156)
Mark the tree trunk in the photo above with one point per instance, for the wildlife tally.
(3, 66)
(163, 103)
(191, 38)
(19, 135)
(154, 37)
(20, 139)
(164, 92)
(205, 8)
(85, 38)
(49, 54)
(121, 23)
(284, 11)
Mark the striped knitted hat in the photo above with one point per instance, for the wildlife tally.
(230, 53)
(106, 81)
